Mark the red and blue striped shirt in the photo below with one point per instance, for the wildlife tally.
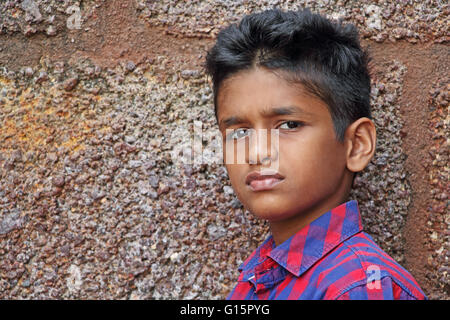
(331, 258)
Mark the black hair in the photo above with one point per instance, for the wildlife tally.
(322, 55)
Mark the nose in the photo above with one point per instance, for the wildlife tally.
(263, 147)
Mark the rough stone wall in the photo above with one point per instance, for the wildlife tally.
(95, 96)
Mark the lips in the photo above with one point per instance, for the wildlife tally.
(260, 181)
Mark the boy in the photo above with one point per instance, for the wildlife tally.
(306, 79)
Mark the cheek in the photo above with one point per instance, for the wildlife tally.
(301, 153)
(317, 158)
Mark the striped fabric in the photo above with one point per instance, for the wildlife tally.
(331, 258)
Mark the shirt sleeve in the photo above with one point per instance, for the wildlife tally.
(384, 289)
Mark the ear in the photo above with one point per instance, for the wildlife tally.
(360, 141)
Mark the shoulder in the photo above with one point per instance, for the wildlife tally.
(359, 269)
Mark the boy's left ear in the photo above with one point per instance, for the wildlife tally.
(360, 141)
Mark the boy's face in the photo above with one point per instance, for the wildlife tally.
(310, 161)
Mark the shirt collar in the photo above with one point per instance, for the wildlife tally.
(298, 253)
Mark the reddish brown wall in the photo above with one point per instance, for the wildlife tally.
(92, 205)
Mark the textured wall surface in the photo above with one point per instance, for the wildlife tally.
(95, 97)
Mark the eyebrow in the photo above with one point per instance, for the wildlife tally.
(283, 111)
(228, 122)
(267, 113)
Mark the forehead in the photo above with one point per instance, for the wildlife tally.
(262, 93)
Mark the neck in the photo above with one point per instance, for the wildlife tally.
(283, 229)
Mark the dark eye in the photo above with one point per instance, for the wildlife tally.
(290, 125)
